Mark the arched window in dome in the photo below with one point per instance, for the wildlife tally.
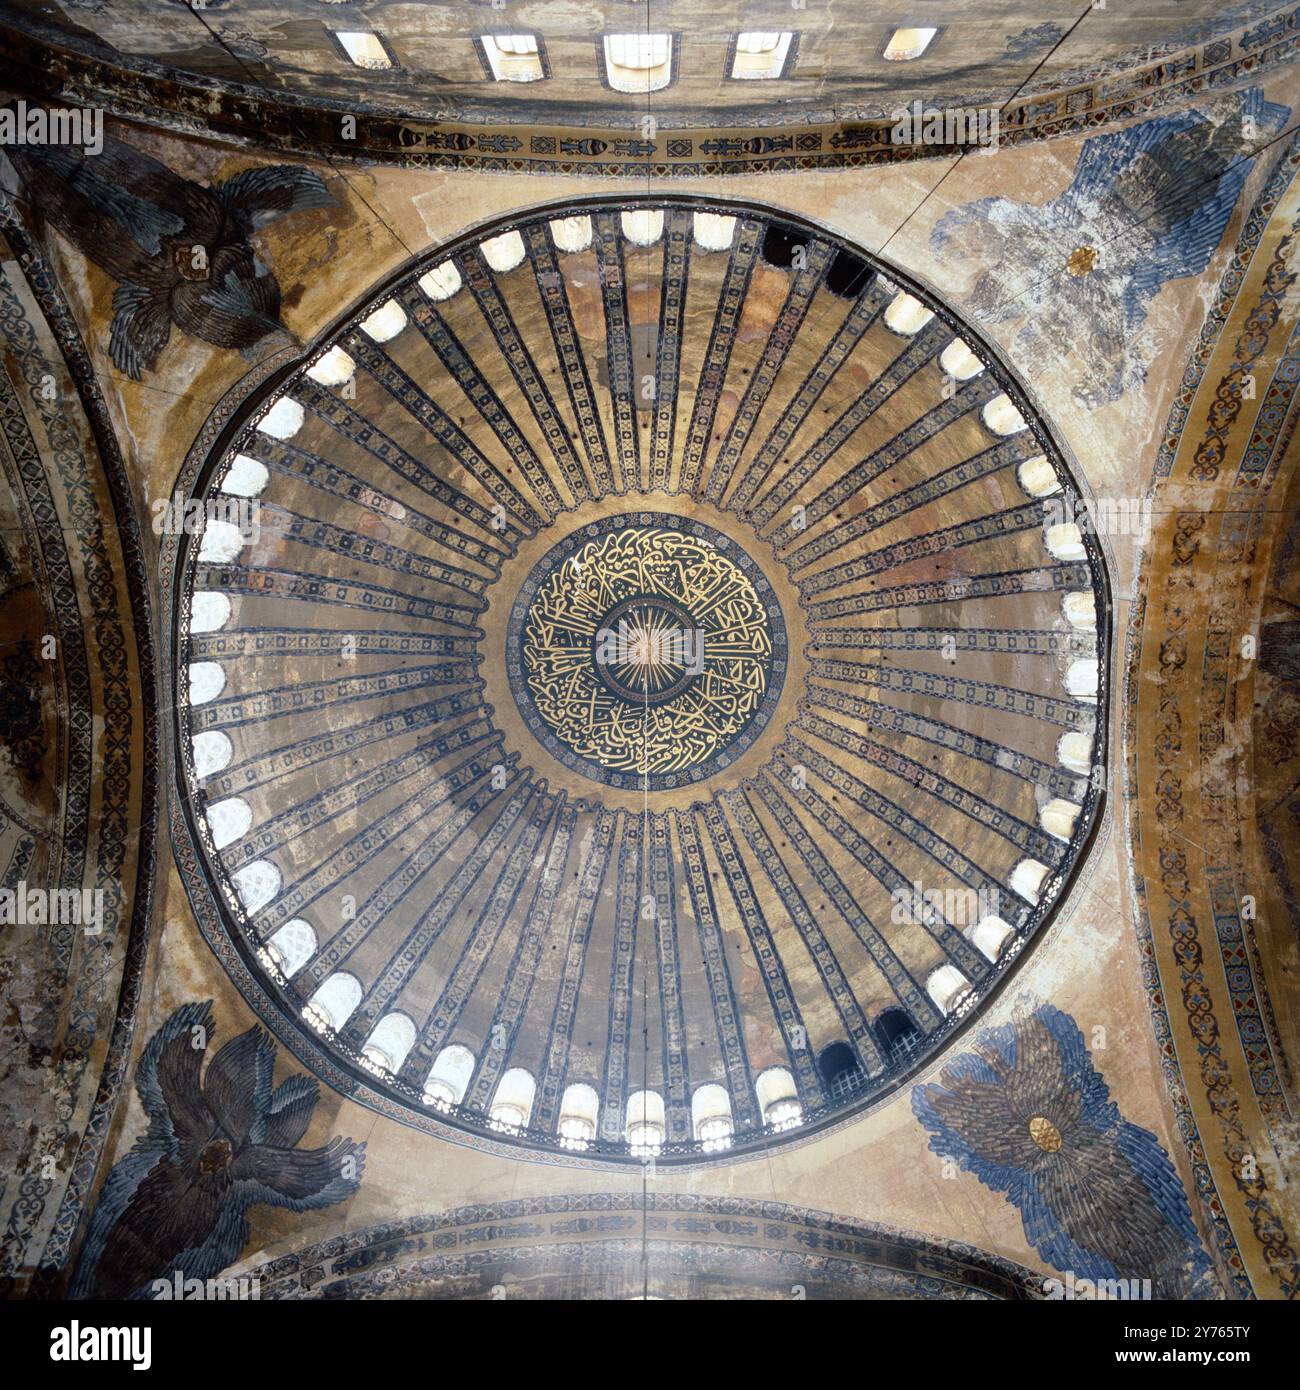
(213, 750)
(256, 883)
(364, 48)
(906, 314)
(643, 226)
(711, 1120)
(778, 1098)
(1002, 417)
(713, 231)
(290, 948)
(504, 252)
(841, 1073)
(222, 541)
(246, 477)
(1080, 610)
(948, 987)
(571, 233)
(1064, 542)
(513, 57)
(386, 322)
(441, 282)
(959, 362)
(283, 420)
(898, 1035)
(512, 1105)
(1074, 751)
(206, 680)
(1037, 477)
(228, 820)
(332, 368)
(1027, 879)
(1082, 677)
(333, 1003)
(645, 1127)
(1058, 817)
(906, 45)
(638, 62)
(449, 1077)
(761, 55)
(990, 936)
(579, 1109)
(386, 1047)
(209, 610)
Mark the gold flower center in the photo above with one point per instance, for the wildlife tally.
(1045, 1134)
(1083, 260)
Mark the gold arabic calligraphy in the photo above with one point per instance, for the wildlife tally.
(665, 572)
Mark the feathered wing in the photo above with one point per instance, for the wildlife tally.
(299, 1179)
(167, 1080)
(118, 1189)
(174, 1209)
(1096, 1201)
(284, 1121)
(217, 1252)
(236, 307)
(237, 1086)
(261, 195)
(140, 329)
(119, 207)
(67, 179)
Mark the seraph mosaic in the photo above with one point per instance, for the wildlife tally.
(1146, 205)
(174, 1208)
(1028, 1113)
(182, 253)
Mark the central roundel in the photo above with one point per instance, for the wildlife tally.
(646, 649)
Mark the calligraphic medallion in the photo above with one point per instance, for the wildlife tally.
(646, 649)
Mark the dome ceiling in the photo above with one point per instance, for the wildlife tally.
(647, 648)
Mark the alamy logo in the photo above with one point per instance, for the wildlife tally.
(21, 124)
(632, 645)
(177, 515)
(179, 1288)
(1102, 516)
(963, 907)
(21, 906)
(1071, 1289)
(954, 125)
(77, 1343)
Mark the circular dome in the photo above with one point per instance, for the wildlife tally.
(640, 682)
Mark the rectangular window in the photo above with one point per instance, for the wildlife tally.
(366, 50)
(761, 55)
(906, 44)
(638, 62)
(513, 57)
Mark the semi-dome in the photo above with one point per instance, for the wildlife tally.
(633, 693)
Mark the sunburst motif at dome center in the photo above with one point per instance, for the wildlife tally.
(646, 647)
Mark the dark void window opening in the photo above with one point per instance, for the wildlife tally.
(898, 1036)
(781, 243)
(840, 1072)
(847, 276)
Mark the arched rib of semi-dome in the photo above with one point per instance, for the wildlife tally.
(465, 876)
